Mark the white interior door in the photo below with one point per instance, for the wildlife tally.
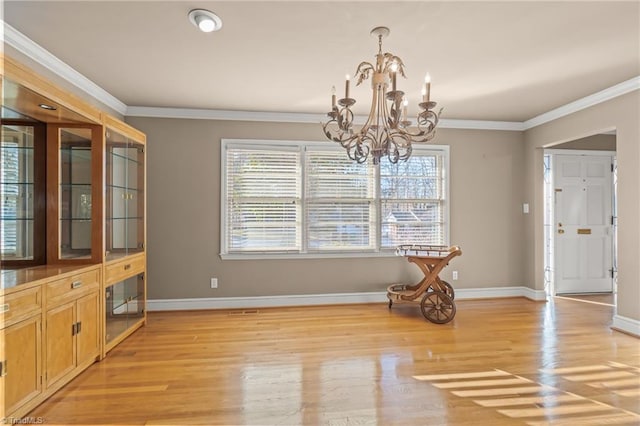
(583, 231)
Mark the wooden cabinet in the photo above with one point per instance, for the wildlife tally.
(20, 349)
(72, 196)
(72, 325)
(125, 299)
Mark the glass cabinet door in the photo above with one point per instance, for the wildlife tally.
(125, 196)
(125, 304)
(17, 192)
(75, 211)
(22, 194)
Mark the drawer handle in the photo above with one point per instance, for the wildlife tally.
(76, 284)
(4, 308)
(3, 368)
(127, 266)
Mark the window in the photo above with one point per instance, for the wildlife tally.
(340, 202)
(412, 201)
(309, 199)
(264, 199)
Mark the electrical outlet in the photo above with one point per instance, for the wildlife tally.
(214, 283)
(455, 275)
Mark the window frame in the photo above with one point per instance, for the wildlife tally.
(304, 252)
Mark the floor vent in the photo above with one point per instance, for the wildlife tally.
(245, 312)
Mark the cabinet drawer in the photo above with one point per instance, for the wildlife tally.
(71, 288)
(124, 269)
(20, 305)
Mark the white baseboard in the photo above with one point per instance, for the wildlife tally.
(627, 325)
(323, 299)
(537, 295)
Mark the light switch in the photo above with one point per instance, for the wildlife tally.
(525, 208)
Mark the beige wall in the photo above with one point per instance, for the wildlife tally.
(621, 114)
(184, 216)
(591, 143)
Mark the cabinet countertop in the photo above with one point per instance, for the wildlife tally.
(17, 279)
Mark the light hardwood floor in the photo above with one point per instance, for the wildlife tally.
(500, 362)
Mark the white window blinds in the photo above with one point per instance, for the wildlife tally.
(305, 198)
(263, 200)
(340, 202)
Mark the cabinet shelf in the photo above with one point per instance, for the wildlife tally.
(126, 188)
(126, 218)
(124, 157)
(83, 146)
(75, 185)
(9, 218)
(117, 305)
(5, 146)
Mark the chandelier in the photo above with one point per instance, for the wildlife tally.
(386, 131)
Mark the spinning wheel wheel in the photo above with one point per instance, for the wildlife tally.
(438, 307)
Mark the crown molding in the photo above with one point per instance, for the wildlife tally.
(448, 123)
(609, 93)
(220, 114)
(291, 117)
(39, 54)
(34, 51)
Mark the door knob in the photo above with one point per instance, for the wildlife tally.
(560, 231)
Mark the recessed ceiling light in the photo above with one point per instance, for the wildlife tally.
(47, 107)
(205, 20)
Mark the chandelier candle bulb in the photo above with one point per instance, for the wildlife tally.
(394, 74)
(346, 87)
(333, 96)
(427, 87)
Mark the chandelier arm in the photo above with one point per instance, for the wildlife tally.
(390, 59)
(363, 72)
(372, 112)
(386, 114)
(345, 119)
(401, 145)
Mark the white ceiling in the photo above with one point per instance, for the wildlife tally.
(503, 61)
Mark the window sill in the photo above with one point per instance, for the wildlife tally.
(279, 256)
